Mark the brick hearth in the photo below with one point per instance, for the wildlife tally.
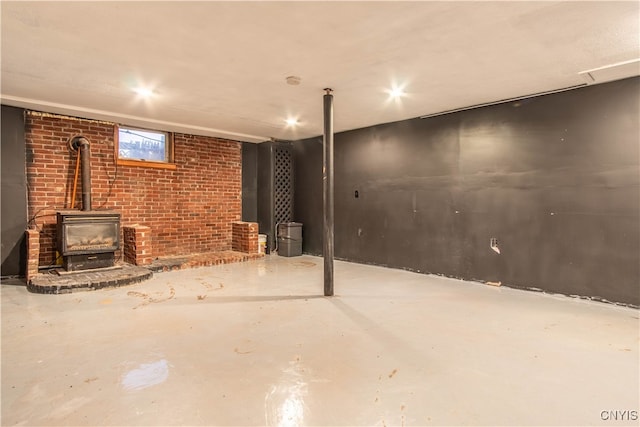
(126, 274)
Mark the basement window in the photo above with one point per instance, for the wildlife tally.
(143, 147)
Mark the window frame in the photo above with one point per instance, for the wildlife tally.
(157, 164)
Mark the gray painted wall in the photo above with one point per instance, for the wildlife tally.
(14, 192)
(249, 182)
(556, 179)
(265, 197)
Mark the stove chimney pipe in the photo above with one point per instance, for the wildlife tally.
(81, 143)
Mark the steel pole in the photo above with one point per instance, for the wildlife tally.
(327, 194)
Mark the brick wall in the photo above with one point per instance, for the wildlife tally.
(188, 210)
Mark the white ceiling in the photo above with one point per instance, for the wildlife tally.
(219, 68)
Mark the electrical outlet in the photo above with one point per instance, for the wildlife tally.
(493, 244)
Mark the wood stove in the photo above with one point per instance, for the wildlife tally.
(88, 239)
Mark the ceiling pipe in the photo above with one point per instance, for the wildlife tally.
(503, 101)
(81, 143)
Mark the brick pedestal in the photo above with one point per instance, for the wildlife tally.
(245, 237)
(33, 253)
(137, 245)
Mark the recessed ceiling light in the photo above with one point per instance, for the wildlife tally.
(143, 91)
(397, 92)
(291, 121)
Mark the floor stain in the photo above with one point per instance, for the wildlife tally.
(209, 287)
(148, 299)
(106, 301)
(238, 351)
(392, 374)
(90, 380)
(304, 264)
(137, 294)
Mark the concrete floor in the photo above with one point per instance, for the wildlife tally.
(254, 344)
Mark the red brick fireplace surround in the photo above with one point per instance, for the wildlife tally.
(137, 248)
(137, 254)
(188, 210)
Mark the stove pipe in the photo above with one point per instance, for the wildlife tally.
(81, 143)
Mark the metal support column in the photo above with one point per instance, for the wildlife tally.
(327, 194)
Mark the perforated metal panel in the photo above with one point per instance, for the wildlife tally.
(283, 186)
